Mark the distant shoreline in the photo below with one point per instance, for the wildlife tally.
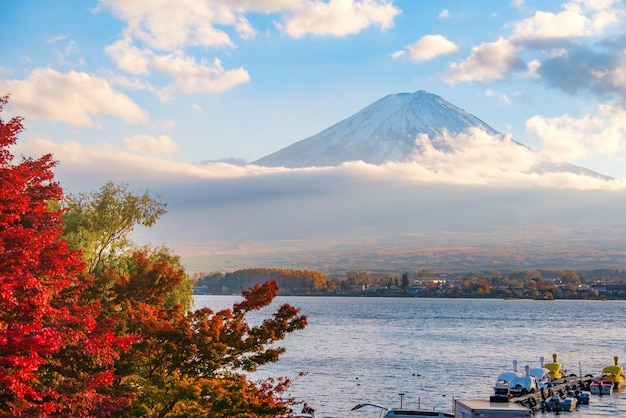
(336, 295)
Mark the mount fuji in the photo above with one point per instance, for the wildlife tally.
(386, 131)
(383, 131)
(457, 196)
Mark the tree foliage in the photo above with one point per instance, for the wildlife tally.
(185, 363)
(117, 342)
(194, 364)
(55, 357)
(99, 222)
(288, 280)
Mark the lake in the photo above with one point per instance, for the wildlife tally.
(358, 349)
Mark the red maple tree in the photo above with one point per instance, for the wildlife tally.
(56, 354)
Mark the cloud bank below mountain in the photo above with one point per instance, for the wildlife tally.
(483, 188)
(471, 158)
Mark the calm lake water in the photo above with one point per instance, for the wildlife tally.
(434, 350)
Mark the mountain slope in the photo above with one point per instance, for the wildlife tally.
(387, 130)
(383, 131)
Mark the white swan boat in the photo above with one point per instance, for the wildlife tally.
(503, 384)
(524, 384)
(386, 412)
(512, 383)
(542, 374)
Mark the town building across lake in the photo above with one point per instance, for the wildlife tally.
(532, 284)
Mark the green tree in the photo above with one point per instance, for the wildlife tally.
(99, 223)
(405, 281)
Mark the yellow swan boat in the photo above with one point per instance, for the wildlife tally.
(554, 369)
(614, 372)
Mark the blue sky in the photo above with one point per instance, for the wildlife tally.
(155, 92)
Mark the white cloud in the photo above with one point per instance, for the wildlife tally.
(471, 187)
(337, 17)
(209, 36)
(129, 58)
(503, 98)
(472, 158)
(444, 14)
(567, 138)
(71, 49)
(198, 22)
(475, 157)
(192, 76)
(550, 25)
(546, 32)
(431, 46)
(533, 67)
(488, 61)
(196, 107)
(480, 187)
(157, 26)
(150, 144)
(244, 28)
(189, 75)
(74, 97)
(56, 38)
(132, 83)
(90, 166)
(163, 26)
(617, 75)
(93, 165)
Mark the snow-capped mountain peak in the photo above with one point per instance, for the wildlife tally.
(383, 131)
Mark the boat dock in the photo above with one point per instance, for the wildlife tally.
(534, 401)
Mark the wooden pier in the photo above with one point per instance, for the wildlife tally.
(534, 401)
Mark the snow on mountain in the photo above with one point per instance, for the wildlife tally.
(383, 131)
(392, 129)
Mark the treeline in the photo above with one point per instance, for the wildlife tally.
(288, 280)
(554, 283)
(606, 276)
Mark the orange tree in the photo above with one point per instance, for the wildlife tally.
(196, 364)
(56, 357)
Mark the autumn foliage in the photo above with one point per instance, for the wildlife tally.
(77, 341)
(193, 363)
(56, 357)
